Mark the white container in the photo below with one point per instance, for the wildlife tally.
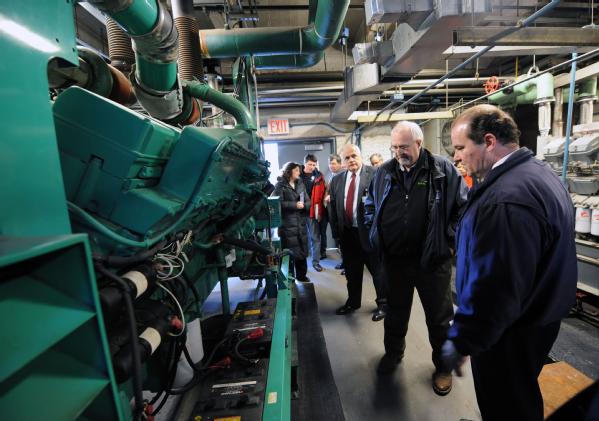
(583, 220)
(595, 222)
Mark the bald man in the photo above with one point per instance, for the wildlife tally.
(346, 217)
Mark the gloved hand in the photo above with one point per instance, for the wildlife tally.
(451, 359)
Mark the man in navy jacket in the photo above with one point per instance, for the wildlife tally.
(516, 266)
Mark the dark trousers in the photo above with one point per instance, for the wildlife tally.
(355, 258)
(434, 290)
(299, 268)
(505, 376)
(324, 222)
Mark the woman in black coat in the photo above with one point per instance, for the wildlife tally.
(294, 205)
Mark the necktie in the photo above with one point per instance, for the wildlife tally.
(349, 201)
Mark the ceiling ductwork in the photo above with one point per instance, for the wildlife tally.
(412, 12)
(417, 43)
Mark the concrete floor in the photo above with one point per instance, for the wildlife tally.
(355, 345)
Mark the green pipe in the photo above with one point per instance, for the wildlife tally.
(157, 76)
(139, 18)
(318, 35)
(227, 103)
(297, 61)
(587, 88)
(154, 36)
(528, 92)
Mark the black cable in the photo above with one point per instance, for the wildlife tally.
(247, 244)
(196, 379)
(137, 375)
(173, 373)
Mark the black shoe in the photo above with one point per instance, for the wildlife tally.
(339, 266)
(379, 314)
(342, 273)
(388, 364)
(323, 256)
(345, 309)
(317, 267)
(306, 279)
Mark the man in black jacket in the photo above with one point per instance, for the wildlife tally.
(516, 266)
(347, 190)
(412, 206)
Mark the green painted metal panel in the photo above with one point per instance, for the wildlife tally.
(55, 352)
(277, 405)
(29, 166)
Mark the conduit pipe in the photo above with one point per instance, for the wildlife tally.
(300, 46)
(569, 118)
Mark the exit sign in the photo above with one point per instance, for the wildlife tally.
(278, 126)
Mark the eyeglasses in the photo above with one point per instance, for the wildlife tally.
(394, 148)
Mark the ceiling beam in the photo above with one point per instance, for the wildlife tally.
(585, 72)
(462, 51)
(528, 36)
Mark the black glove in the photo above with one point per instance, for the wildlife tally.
(451, 359)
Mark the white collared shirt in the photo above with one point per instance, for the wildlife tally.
(502, 160)
(356, 193)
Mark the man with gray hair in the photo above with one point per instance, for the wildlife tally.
(413, 203)
(347, 223)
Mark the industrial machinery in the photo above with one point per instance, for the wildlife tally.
(582, 164)
(120, 214)
(582, 172)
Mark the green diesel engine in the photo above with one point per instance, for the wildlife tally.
(122, 222)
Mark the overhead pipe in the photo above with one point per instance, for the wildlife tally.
(154, 36)
(521, 24)
(295, 61)
(299, 47)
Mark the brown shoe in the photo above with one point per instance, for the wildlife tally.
(441, 383)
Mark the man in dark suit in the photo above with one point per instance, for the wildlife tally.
(347, 190)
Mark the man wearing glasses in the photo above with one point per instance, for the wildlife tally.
(413, 204)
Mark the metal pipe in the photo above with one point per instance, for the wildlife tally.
(229, 104)
(190, 61)
(557, 66)
(282, 62)
(154, 37)
(298, 47)
(521, 24)
(569, 118)
(558, 120)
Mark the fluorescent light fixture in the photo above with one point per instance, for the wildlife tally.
(26, 36)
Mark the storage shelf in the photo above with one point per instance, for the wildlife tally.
(58, 387)
(34, 317)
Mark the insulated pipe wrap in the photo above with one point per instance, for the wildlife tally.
(160, 44)
(190, 62)
(119, 46)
